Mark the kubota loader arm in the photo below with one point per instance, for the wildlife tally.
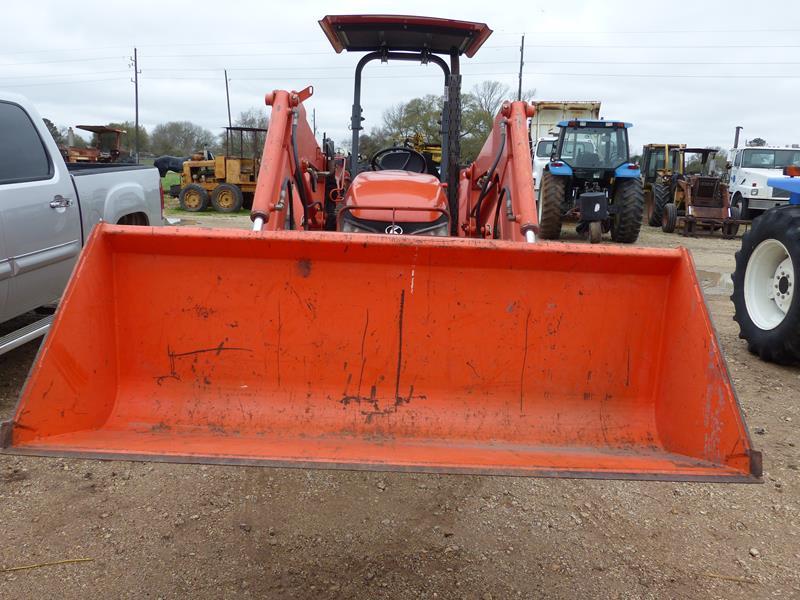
(496, 195)
(290, 193)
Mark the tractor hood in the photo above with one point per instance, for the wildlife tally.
(395, 196)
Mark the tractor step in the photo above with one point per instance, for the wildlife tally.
(25, 334)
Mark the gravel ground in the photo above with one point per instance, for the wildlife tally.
(178, 531)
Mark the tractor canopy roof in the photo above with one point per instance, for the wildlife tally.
(696, 150)
(100, 129)
(370, 33)
(594, 123)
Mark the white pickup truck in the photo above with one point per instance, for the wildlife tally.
(750, 169)
(47, 210)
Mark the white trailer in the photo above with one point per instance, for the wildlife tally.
(544, 122)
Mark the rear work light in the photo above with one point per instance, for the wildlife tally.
(792, 171)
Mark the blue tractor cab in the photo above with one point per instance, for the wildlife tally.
(590, 179)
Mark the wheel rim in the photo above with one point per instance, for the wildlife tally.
(225, 199)
(769, 284)
(191, 199)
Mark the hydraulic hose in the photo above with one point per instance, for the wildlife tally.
(298, 174)
(476, 211)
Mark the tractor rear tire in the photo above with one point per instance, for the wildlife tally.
(193, 198)
(670, 218)
(629, 200)
(227, 198)
(660, 198)
(765, 297)
(551, 199)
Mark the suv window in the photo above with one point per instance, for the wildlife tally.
(22, 153)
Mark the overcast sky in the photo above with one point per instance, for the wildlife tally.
(689, 74)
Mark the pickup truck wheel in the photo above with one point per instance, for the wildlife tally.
(670, 217)
(550, 200)
(660, 199)
(193, 198)
(629, 200)
(227, 198)
(765, 297)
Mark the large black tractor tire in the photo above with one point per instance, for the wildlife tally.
(227, 198)
(551, 199)
(193, 198)
(765, 297)
(627, 221)
(660, 199)
(669, 219)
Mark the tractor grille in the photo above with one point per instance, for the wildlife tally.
(706, 192)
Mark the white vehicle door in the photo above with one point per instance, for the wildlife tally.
(41, 225)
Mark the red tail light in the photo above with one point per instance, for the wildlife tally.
(556, 163)
(634, 167)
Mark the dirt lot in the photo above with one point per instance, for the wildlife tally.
(185, 531)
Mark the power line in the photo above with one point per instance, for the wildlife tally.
(83, 74)
(659, 46)
(654, 62)
(497, 73)
(74, 81)
(496, 33)
(63, 60)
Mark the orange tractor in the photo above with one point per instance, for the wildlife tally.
(387, 319)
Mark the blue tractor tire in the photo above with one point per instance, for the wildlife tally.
(552, 193)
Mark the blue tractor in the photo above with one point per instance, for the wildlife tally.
(590, 179)
(765, 297)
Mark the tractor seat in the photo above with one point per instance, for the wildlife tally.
(587, 159)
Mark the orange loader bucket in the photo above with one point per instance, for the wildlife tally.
(386, 353)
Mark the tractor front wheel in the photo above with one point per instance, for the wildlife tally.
(660, 199)
(629, 201)
(595, 232)
(551, 199)
(227, 198)
(765, 297)
(193, 198)
(670, 217)
(729, 230)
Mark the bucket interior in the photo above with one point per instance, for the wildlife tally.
(332, 350)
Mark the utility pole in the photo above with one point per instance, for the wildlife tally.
(228, 98)
(521, 62)
(135, 81)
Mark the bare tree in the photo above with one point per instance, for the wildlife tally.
(488, 96)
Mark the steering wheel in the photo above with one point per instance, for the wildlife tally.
(399, 158)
